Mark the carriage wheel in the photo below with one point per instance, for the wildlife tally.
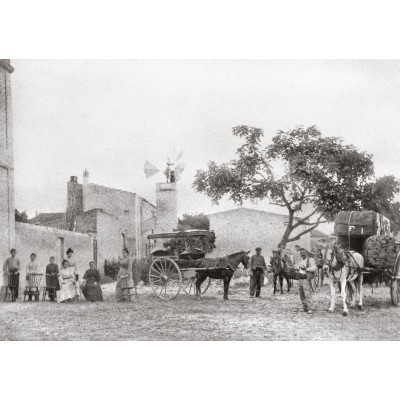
(189, 285)
(394, 284)
(165, 278)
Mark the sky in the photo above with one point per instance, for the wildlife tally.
(110, 116)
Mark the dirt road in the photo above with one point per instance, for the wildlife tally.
(274, 317)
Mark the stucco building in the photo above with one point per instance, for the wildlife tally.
(245, 229)
(113, 218)
(97, 223)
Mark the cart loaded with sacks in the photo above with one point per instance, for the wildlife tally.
(368, 233)
(173, 262)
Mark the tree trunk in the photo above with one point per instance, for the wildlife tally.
(288, 231)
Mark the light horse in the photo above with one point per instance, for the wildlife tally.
(344, 267)
(220, 268)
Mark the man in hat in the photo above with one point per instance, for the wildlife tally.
(12, 266)
(257, 267)
(307, 269)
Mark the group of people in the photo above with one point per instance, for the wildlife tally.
(302, 261)
(63, 284)
(68, 287)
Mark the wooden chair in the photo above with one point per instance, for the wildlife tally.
(32, 287)
(50, 286)
(128, 290)
(12, 286)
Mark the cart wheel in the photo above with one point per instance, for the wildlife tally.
(394, 283)
(189, 285)
(165, 278)
(395, 292)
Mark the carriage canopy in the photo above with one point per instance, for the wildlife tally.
(182, 234)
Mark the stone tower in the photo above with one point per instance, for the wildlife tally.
(167, 207)
(7, 211)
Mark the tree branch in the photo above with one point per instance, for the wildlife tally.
(313, 226)
(302, 221)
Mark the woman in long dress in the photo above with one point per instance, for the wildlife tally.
(31, 268)
(91, 288)
(67, 283)
(73, 264)
(124, 277)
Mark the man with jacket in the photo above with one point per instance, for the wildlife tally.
(307, 269)
(257, 267)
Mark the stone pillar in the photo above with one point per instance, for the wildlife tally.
(167, 207)
(7, 210)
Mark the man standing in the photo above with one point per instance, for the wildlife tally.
(257, 267)
(296, 255)
(307, 269)
(12, 266)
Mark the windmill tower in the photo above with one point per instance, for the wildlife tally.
(166, 193)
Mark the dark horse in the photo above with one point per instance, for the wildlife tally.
(278, 266)
(219, 268)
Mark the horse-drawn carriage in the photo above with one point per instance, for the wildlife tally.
(173, 269)
(364, 252)
(368, 233)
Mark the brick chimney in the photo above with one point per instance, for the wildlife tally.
(74, 202)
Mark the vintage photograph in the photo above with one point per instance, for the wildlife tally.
(199, 200)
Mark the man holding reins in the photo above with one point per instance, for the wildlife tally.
(307, 270)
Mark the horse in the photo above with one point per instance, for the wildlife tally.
(278, 265)
(219, 268)
(344, 267)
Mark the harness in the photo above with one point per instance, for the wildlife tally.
(349, 259)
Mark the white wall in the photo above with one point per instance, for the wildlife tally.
(246, 229)
(7, 231)
(46, 242)
(109, 239)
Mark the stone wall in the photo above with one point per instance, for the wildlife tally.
(109, 239)
(46, 242)
(167, 207)
(112, 201)
(7, 229)
(245, 229)
(136, 217)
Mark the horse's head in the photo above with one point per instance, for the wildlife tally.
(276, 261)
(331, 255)
(245, 259)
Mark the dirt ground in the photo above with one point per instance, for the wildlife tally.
(273, 317)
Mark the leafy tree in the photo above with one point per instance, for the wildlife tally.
(195, 221)
(299, 170)
(21, 217)
(380, 196)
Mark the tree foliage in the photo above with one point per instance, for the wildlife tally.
(299, 170)
(194, 221)
(380, 196)
(21, 217)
